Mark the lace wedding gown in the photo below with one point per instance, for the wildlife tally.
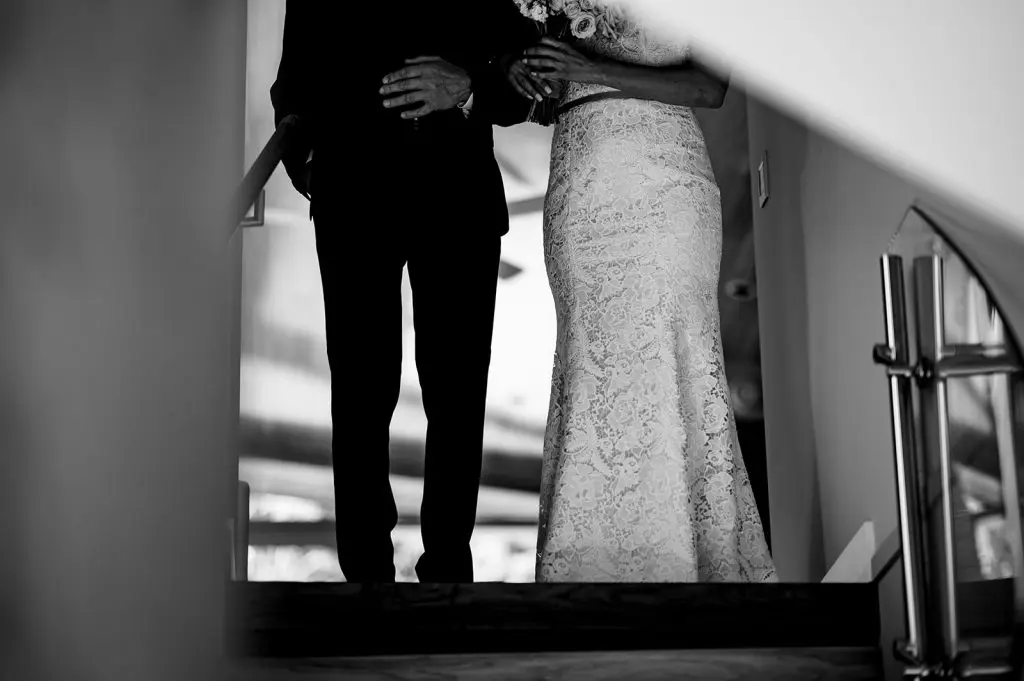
(643, 479)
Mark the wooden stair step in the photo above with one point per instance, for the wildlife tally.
(779, 664)
(310, 620)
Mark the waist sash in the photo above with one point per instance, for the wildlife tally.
(586, 99)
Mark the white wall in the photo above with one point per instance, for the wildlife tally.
(849, 209)
(817, 356)
(930, 87)
(121, 152)
(785, 373)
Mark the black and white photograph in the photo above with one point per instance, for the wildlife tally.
(511, 339)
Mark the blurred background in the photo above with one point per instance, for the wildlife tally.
(285, 382)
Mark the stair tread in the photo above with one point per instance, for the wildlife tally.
(790, 664)
(276, 619)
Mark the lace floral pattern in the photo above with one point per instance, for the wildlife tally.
(642, 476)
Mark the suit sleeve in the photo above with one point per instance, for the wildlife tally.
(291, 92)
(494, 98)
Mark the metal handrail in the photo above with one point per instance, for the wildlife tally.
(936, 641)
(263, 167)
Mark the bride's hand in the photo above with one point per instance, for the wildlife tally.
(526, 84)
(557, 60)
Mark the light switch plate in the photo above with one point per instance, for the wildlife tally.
(762, 179)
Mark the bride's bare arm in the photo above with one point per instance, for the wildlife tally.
(687, 85)
(683, 85)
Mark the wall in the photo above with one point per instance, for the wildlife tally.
(116, 365)
(829, 216)
(782, 285)
(929, 87)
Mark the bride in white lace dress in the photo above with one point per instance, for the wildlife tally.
(643, 479)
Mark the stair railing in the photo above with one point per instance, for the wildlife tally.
(251, 188)
(936, 643)
(250, 194)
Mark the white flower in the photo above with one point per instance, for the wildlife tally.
(583, 26)
(533, 9)
(556, 5)
(587, 5)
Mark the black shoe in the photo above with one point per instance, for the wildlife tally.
(452, 569)
(362, 573)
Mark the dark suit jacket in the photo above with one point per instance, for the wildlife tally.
(335, 54)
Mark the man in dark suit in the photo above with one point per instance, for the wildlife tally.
(396, 155)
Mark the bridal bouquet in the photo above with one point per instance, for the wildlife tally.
(568, 20)
(582, 18)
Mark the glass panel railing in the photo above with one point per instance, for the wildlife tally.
(953, 371)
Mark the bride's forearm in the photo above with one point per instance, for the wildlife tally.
(679, 85)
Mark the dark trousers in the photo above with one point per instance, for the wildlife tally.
(423, 214)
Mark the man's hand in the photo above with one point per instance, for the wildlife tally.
(433, 83)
